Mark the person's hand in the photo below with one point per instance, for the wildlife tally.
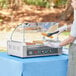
(52, 44)
(61, 29)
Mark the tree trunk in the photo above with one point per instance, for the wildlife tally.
(67, 15)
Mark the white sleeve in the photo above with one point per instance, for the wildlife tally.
(73, 29)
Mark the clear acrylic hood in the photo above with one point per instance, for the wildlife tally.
(29, 32)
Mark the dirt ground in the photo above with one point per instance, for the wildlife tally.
(28, 13)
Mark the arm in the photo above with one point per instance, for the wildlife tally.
(64, 28)
(69, 27)
(72, 36)
(69, 40)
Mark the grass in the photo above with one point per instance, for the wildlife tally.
(2, 50)
(65, 33)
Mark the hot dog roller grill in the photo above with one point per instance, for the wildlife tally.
(27, 40)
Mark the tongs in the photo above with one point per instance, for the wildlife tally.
(50, 34)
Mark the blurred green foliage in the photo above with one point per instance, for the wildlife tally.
(46, 3)
(43, 3)
(3, 3)
(61, 3)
